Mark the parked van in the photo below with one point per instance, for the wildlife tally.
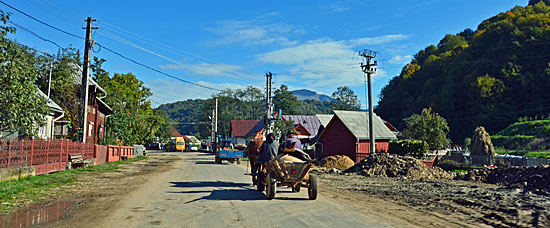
(180, 143)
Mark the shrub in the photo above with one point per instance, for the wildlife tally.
(413, 147)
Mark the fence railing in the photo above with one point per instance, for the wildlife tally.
(468, 160)
(52, 155)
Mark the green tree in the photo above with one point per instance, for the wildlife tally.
(285, 100)
(428, 127)
(21, 107)
(64, 91)
(133, 120)
(345, 99)
(253, 102)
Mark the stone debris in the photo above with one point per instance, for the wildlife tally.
(341, 162)
(533, 179)
(385, 165)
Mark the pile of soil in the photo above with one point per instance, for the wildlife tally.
(534, 179)
(385, 165)
(341, 162)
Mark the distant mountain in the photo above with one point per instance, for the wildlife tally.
(305, 94)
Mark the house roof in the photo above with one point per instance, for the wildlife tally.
(258, 127)
(310, 122)
(51, 104)
(175, 133)
(357, 123)
(77, 78)
(241, 128)
(109, 109)
(324, 118)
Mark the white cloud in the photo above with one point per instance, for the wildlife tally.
(168, 90)
(398, 59)
(325, 64)
(209, 69)
(377, 40)
(254, 33)
(339, 8)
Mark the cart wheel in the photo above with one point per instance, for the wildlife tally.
(232, 161)
(218, 160)
(238, 161)
(271, 187)
(312, 190)
(260, 185)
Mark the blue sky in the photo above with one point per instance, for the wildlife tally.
(231, 44)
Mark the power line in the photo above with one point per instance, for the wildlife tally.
(40, 37)
(41, 22)
(153, 69)
(110, 50)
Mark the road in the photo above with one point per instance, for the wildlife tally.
(196, 192)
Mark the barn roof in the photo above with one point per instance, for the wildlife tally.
(310, 122)
(240, 128)
(324, 118)
(357, 123)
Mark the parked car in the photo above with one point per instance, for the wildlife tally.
(153, 146)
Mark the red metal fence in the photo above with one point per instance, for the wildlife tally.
(52, 155)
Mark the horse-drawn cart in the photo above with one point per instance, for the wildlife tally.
(293, 174)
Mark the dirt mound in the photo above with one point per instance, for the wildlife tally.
(397, 166)
(535, 179)
(341, 162)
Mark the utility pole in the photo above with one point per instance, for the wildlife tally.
(212, 133)
(269, 102)
(82, 125)
(50, 79)
(215, 148)
(369, 70)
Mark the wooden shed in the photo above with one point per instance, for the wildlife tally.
(347, 134)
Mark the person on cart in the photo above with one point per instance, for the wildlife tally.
(268, 151)
(293, 147)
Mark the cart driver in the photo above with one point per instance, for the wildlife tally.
(267, 152)
(296, 146)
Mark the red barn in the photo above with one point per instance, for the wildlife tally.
(347, 133)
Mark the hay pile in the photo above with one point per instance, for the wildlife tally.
(385, 165)
(341, 162)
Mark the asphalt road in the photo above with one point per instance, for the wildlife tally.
(196, 192)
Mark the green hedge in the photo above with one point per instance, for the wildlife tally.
(413, 147)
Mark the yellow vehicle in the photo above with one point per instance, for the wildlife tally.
(180, 143)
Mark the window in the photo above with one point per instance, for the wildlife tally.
(100, 131)
(90, 127)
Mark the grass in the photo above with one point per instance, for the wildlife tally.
(538, 154)
(32, 189)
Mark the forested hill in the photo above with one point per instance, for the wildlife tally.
(489, 77)
(189, 116)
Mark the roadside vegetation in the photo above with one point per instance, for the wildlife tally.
(37, 188)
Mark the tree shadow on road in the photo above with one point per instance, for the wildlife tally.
(212, 184)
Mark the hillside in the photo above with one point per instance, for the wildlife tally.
(189, 115)
(186, 114)
(489, 77)
(524, 135)
(305, 94)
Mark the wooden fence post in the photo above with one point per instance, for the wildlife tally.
(60, 154)
(9, 152)
(47, 152)
(22, 144)
(32, 151)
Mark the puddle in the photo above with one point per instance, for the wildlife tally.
(35, 215)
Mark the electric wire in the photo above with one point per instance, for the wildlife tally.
(41, 22)
(112, 51)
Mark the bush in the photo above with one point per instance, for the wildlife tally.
(412, 147)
